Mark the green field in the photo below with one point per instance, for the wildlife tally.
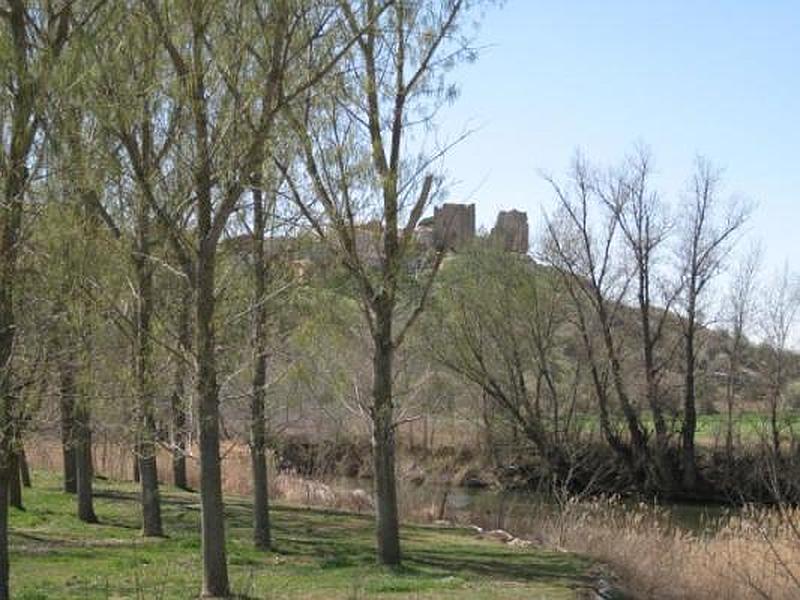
(318, 554)
(750, 427)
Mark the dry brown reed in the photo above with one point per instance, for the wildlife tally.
(755, 554)
(115, 462)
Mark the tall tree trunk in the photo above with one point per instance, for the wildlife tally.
(666, 480)
(24, 469)
(639, 451)
(151, 503)
(689, 410)
(21, 126)
(67, 364)
(137, 473)
(6, 448)
(215, 567)
(67, 393)
(258, 441)
(15, 177)
(5, 592)
(148, 468)
(14, 483)
(178, 403)
(383, 442)
(487, 414)
(262, 537)
(600, 388)
(179, 478)
(773, 420)
(83, 462)
(11, 220)
(730, 396)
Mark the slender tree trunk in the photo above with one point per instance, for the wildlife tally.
(14, 179)
(24, 469)
(689, 411)
(14, 483)
(178, 404)
(773, 419)
(20, 137)
(730, 393)
(151, 503)
(600, 388)
(179, 478)
(83, 462)
(137, 473)
(487, 415)
(215, 567)
(7, 329)
(258, 441)
(9, 467)
(261, 522)
(663, 464)
(148, 468)
(383, 443)
(14, 479)
(5, 592)
(639, 450)
(6, 447)
(67, 393)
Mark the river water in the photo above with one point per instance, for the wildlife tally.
(496, 508)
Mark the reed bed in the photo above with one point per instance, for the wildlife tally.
(753, 554)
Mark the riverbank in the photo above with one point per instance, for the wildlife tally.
(751, 475)
(319, 554)
(653, 551)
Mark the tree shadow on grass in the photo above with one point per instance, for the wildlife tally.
(335, 539)
(341, 540)
(44, 544)
(167, 498)
(522, 567)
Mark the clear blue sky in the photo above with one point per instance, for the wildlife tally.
(717, 78)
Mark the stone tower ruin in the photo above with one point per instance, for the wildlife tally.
(453, 225)
(511, 231)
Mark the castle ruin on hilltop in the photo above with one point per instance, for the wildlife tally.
(511, 231)
(452, 227)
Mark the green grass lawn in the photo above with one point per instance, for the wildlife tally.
(318, 554)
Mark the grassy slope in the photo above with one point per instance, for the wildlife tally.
(321, 555)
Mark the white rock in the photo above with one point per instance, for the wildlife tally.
(501, 535)
(361, 500)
